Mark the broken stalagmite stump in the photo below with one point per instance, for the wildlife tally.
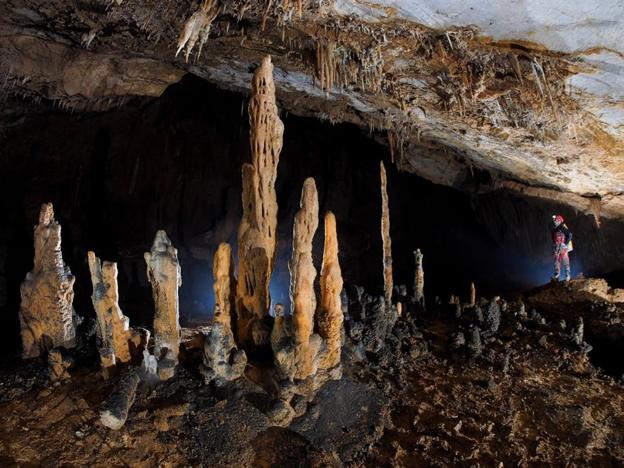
(419, 279)
(330, 316)
(46, 313)
(258, 228)
(385, 237)
(113, 327)
(163, 272)
(302, 276)
(115, 410)
(222, 359)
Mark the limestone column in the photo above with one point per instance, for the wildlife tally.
(46, 313)
(385, 237)
(113, 330)
(258, 228)
(330, 314)
(164, 274)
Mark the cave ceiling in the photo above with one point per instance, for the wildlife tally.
(480, 96)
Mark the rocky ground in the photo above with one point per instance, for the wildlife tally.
(444, 390)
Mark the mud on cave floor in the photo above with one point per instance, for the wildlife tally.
(531, 397)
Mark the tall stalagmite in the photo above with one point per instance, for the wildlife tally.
(224, 286)
(473, 294)
(302, 276)
(223, 361)
(385, 237)
(164, 274)
(330, 314)
(257, 231)
(113, 330)
(46, 312)
(419, 279)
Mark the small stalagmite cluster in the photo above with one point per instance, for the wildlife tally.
(257, 232)
(164, 274)
(113, 327)
(46, 313)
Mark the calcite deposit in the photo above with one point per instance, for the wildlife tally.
(330, 316)
(258, 229)
(164, 274)
(46, 312)
(115, 410)
(222, 360)
(385, 237)
(419, 279)
(113, 327)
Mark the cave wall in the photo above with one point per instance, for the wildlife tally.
(174, 163)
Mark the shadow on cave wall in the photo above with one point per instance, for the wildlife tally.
(174, 163)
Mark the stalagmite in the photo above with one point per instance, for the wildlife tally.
(115, 410)
(46, 313)
(419, 279)
(163, 272)
(330, 316)
(258, 228)
(113, 327)
(473, 295)
(222, 359)
(302, 276)
(224, 286)
(385, 237)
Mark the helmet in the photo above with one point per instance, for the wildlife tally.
(557, 219)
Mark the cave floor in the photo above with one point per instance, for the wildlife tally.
(531, 397)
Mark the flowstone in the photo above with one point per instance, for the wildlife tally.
(164, 274)
(258, 228)
(46, 314)
(113, 327)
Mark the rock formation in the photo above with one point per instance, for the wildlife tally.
(385, 237)
(295, 346)
(58, 365)
(222, 359)
(473, 295)
(113, 327)
(115, 410)
(491, 319)
(330, 315)
(224, 285)
(46, 312)
(302, 276)
(419, 279)
(164, 274)
(258, 228)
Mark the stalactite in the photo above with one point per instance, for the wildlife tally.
(46, 313)
(258, 228)
(164, 274)
(113, 330)
(330, 315)
(197, 28)
(419, 279)
(595, 205)
(302, 276)
(326, 64)
(385, 236)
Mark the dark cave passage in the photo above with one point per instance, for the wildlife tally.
(174, 164)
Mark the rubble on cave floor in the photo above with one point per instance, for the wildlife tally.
(531, 396)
